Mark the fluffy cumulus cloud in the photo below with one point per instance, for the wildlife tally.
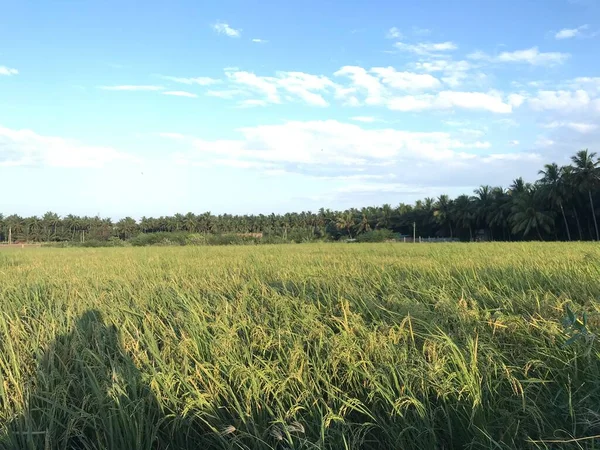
(27, 148)
(339, 150)
(224, 28)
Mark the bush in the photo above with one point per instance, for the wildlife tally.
(377, 236)
(160, 238)
(230, 239)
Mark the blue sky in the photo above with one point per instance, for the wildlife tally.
(117, 109)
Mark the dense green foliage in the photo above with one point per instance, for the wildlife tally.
(375, 346)
(561, 205)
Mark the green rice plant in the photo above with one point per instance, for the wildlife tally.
(318, 346)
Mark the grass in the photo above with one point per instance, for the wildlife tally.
(336, 346)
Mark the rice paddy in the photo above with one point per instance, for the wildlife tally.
(312, 346)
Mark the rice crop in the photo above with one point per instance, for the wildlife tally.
(313, 346)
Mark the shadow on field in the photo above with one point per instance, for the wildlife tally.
(88, 394)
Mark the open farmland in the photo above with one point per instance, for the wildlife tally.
(382, 346)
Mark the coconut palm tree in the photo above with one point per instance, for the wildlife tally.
(553, 188)
(443, 212)
(464, 213)
(587, 174)
(483, 206)
(345, 221)
(363, 225)
(527, 215)
(500, 210)
(518, 187)
(385, 216)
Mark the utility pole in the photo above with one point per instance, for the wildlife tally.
(414, 232)
(10, 235)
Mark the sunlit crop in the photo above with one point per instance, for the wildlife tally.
(376, 346)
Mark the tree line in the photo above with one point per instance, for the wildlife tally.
(560, 205)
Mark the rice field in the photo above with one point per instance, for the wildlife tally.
(312, 346)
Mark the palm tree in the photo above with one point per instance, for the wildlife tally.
(518, 187)
(483, 206)
(527, 216)
(500, 210)
(443, 212)
(363, 225)
(385, 217)
(346, 222)
(464, 213)
(553, 188)
(571, 195)
(586, 171)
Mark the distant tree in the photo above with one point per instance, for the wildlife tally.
(528, 216)
(586, 174)
(345, 221)
(554, 190)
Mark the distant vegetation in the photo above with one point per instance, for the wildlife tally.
(301, 347)
(561, 205)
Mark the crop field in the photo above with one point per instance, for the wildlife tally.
(335, 346)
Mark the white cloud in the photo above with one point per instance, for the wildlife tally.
(294, 85)
(589, 84)
(543, 142)
(393, 33)
(364, 82)
(224, 28)
(132, 87)
(201, 81)
(407, 81)
(7, 71)
(513, 143)
(455, 73)
(567, 33)
(377, 86)
(364, 119)
(580, 127)
(564, 101)
(180, 94)
(491, 102)
(529, 56)
(339, 150)
(27, 148)
(259, 41)
(426, 48)
(266, 86)
(516, 100)
(443, 65)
